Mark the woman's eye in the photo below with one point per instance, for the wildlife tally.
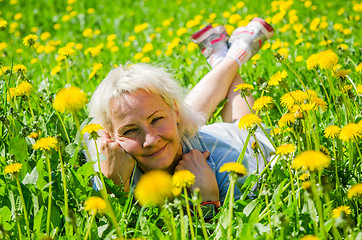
(130, 131)
(156, 119)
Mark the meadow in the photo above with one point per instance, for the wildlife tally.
(308, 89)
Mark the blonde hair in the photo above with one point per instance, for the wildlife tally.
(153, 79)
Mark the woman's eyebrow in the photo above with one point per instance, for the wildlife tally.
(153, 114)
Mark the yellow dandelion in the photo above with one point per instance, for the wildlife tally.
(183, 178)
(338, 211)
(20, 69)
(154, 188)
(70, 99)
(147, 47)
(318, 102)
(46, 144)
(262, 103)
(304, 177)
(312, 61)
(351, 132)
(332, 131)
(359, 89)
(3, 24)
(140, 27)
(248, 121)
(306, 185)
(286, 120)
(311, 160)
(234, 167)
(244, 87)
(33, 135)
(66, 51)
(358, 67)
(30, 40)
(95, 205)
(13, 168)
(55, 70)
(355, 191)
(309, 237)
(342, 73)
(92, 130)
(88, 32)
(285, 149)
(23, 89)
(291, 98)
(276, 131)
(11, 94)
(327, 59)
(277, 78)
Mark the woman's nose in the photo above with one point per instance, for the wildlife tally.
(151, 139)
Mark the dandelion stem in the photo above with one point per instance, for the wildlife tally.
(49, 195)
(19, 230)
(269, 218)
(189, 213)
(319, 205)
(204, 232)
(31, 110)
(42, 71)
(24, 206)
(89, 226)
(182, 224)
(66, 211)
(65, 130)
(336, 167)
(104, 191)
(300, 80)
(231, 203)
(67, 68)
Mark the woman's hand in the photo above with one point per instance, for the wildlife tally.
(205, 179)
(119, 164)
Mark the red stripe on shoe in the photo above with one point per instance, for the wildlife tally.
(242, 55)
(260, 43)
(265, 24)
(198, 34)
(218, 39)
(247, 32)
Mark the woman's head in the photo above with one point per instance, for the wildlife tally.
(152, 79)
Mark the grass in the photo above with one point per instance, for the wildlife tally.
(286, 204)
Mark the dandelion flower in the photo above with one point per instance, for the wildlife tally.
(30, 40)
(332, 131)
(355, 191)
(306, 185)
(55, 70)
(20, 69)
(304, 177)
(286, 120)
(95, 205)
(309, 237)
(46, 144)
(359, 67)
(244, 88)
(262, 103)
(248, 121)
(154, 188)
(12, 168)
(327, 59)
(92, 130)
(342, 73)
(338, 211)
(359, 89)
(66, 51)
(277, 78)
(11, 94)
(71, 99)
(311, 160)
(33, 135)
(3, 24)
(312, 61)
(285, 149)
(234, 167)
(318, 102)
(183, 178)
(291, 98)
(351, 131)
(23, 89)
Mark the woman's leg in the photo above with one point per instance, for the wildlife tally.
(217, 85)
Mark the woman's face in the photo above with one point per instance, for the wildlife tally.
(146, 128)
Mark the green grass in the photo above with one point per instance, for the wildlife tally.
(275, 211)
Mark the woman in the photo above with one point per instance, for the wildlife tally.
(147, 122)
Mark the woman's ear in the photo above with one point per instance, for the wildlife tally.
(177, 111)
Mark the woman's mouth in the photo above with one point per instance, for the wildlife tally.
(158, 152)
